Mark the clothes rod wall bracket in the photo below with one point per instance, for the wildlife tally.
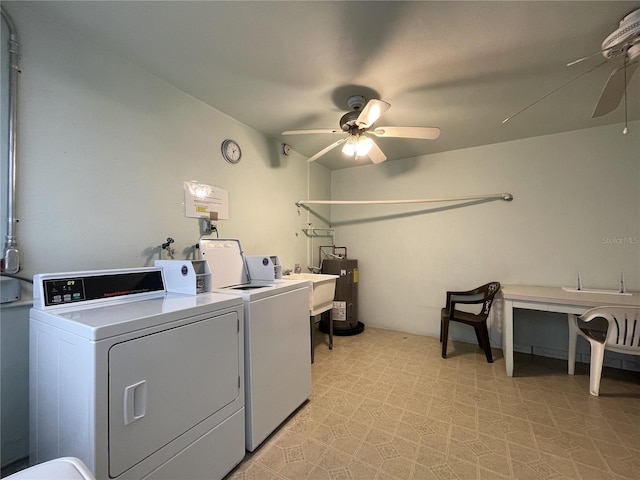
(507, 197)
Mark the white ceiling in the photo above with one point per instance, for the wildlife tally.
(462, 66)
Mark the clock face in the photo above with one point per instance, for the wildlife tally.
(231, 151)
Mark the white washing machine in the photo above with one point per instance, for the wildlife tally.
(135, 381)
(277, 350)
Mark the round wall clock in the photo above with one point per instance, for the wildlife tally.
(231, 151)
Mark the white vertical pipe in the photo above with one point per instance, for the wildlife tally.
(11, 254)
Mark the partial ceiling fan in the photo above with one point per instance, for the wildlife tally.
(358, 124)
(625, 43)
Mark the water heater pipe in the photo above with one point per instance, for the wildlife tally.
(507, 197)
(11, 255)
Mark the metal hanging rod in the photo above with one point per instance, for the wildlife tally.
(318, 232)
(507, 197)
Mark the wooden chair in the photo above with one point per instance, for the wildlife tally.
(622, 336)
(481, 295)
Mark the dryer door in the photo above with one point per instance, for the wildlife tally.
(162, 385)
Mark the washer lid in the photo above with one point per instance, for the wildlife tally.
(122, 316)
(226, 261)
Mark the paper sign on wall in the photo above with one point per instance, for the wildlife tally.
(201, 199)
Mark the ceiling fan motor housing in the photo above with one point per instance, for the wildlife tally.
(348, 120)
(624, 37)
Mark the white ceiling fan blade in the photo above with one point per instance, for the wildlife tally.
(613, 90)
(316, 130)
(609, 53)
(327, 149)
(371, 112)
(375, 154)
(551, 92)
(426, 133)
(582, 59)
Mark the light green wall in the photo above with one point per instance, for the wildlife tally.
(105, 148)
(576, 207)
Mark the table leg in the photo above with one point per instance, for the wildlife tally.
(507, 336)
(573, 343)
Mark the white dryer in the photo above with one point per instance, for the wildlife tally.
(135, 381)
(277, 350)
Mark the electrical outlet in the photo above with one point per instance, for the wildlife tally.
(205, 226)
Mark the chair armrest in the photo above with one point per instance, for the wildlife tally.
(452, 293)
(466, 292)
(598, 312)
(456, 297)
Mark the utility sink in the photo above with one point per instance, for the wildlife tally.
(321, 291)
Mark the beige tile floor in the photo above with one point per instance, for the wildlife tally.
(386, 406)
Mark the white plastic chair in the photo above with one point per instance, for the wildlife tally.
(622, 336)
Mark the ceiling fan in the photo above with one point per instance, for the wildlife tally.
(623, 42)
(358, 125)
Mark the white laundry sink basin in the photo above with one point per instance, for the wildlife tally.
(322, 288)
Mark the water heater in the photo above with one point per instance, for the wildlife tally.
(344, 313)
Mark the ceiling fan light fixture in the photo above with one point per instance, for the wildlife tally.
(364, 146)
(349, 147)
(357, 145)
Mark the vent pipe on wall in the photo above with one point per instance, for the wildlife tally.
(11, 256)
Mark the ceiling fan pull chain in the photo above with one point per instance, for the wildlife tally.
(626, 118)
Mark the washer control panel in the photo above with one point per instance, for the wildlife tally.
(87, 286)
